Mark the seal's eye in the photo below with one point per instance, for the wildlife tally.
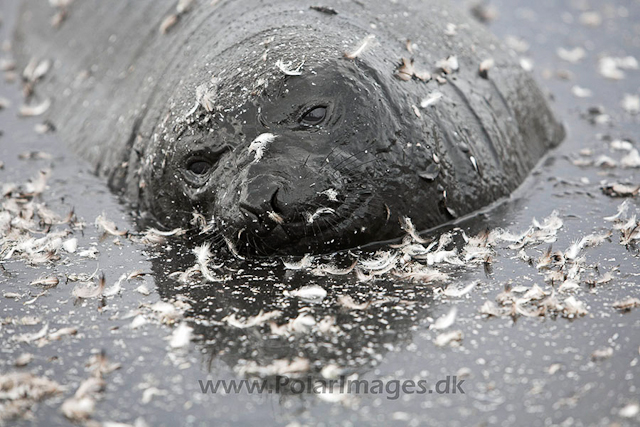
(199, 167)
(314, 116)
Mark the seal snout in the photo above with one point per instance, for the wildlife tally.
(276, 212)
(274, 201)
(261, 201)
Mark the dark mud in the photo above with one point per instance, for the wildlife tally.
(530, 365)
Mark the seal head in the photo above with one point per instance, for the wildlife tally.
(306, 164)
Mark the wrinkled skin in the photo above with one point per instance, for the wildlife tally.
(171, 118)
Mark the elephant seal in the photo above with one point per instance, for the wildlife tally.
(291, 126)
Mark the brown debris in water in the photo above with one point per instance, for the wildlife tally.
(109, 227)
(626, 304)
(81, 406)
(406, 71)
(20, 391)
(171, 20)
(85, 290)
(620, 190)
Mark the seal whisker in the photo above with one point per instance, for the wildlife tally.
(326, 162)
(351, 157)
(363, 163)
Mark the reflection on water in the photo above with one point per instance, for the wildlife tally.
(323, 338)
(267, 322)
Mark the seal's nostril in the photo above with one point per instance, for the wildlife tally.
(274, 202)
(250, 209)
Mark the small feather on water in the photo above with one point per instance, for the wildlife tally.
(364, 45)
(432, 99)
(347, 302)
(380, 261)
(581, 92)
(407, 225)
(58, 18)
(630, 410)
(57, 335)
(31, 337)
(443, 322)
(38, 184)
(7, 64)
(532, 294)
(601, 354)
(36, 70)
(183, 6)
(450, 257)
(21, 390)
(485, 66)
(205, 96)
(116, 288)
(259, 145)
(456, 292)
(331, 194)
(424, 274)
(275, 217)
(35, 110)
(631, 103)
(287, 68)
(451, 29)
(622, 210)
(48, 282)
(70, 245)
(203, 255)
(406, 71)
(474, 162)
(573, 56)
(490, 308)
(568, 286)
(573, 307)
(551, 223)
(82, 404)
(611, 67)
(311, 292)
(321, 211)
(449, 64)
(88, 289)
(620, 190)
(593, 240)
(448, 338)
(168, 23)
(249, 322)
(181, 336)
(108, 226)
(23, 360)
(333, 270)
(143, 290)
(305, 262)
(626, 304)
(631, 160)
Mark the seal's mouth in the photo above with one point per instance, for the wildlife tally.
(307, 229)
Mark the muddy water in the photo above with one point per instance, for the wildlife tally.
(519, 368)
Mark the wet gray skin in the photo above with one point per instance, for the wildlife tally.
(170, 118)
